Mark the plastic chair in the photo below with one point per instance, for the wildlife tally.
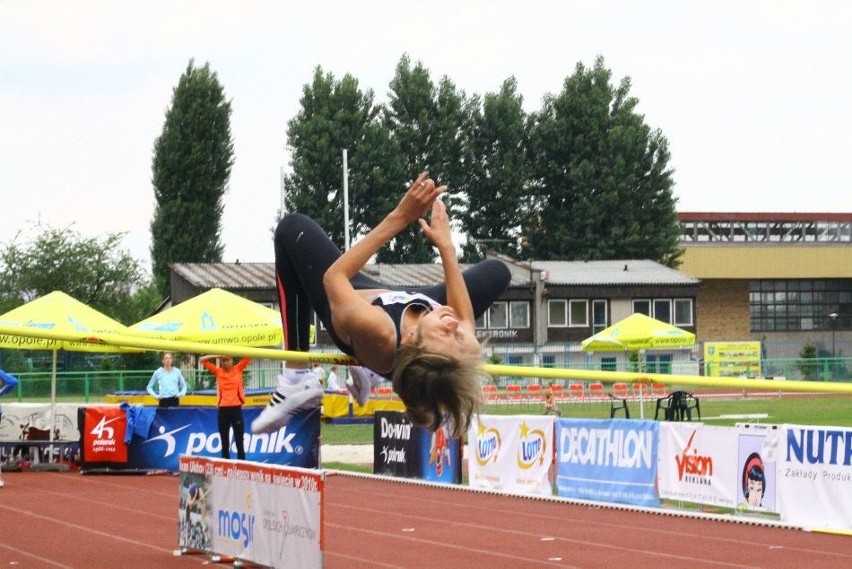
(618, 400)
(678, 406)
(596, 391)
(576, 391)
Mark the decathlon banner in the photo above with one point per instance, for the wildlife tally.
(168, 433)
(698, 464)
(815, 477)
(607, 460)
(265, 514)
(406, 450)
(511, 453)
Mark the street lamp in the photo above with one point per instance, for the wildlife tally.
(833, 317)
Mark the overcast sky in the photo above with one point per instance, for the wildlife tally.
(755, 98)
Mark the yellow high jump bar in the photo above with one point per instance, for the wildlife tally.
(152, 344)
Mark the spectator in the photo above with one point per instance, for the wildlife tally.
(230, 397)
(170, 384)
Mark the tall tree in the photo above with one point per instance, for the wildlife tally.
(605, 188)
(337, 115)
(93, 270)
(191, 167)
(432, 128)
(499, 175)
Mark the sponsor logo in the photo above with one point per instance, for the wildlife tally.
(693, 467)
(282, 525)
(606, 447)
(211, 443)
(819, 446)
(236, 526)
(488, 444)
(390, 455)
(532, 447)
(398, 431)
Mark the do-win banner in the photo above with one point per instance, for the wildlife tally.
(406, 450)
(265, 514)
(511, 453)
(607, 460)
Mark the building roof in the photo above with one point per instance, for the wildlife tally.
(236, 276)
(607, 273)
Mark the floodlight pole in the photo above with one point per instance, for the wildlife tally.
(833, 317)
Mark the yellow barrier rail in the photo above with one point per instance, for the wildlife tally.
(493, 369)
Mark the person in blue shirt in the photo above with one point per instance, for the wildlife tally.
(8, 383)
(170, 384)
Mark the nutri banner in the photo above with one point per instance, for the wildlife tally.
(815, 477)
(408, 451)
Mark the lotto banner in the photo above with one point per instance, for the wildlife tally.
(405, 450)
(511, 453)
(698, 463)
(264, 514)
(607, 460)
(815, 477)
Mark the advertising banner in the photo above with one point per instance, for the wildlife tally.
(103, 435)
(170, 432)
(607, 460)
(408, 451)
(732, 359)
(270, 515)
(511, 453)
(756, 483)
(698, 464)
(815, 477)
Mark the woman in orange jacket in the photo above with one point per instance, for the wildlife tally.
(230, 398)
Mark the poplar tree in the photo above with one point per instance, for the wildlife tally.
(192, 164)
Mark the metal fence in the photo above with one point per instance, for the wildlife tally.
(93, 385)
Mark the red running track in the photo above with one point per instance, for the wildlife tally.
(52, 519)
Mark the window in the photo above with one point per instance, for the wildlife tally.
(557, 313)
(598, 315)
(579, 311)
(791, 305)
(658, 363)
(480, 322)
(498, 315)
(608, 364)
(642, 307)
(663, 310)
(683, 312)
(519, 315)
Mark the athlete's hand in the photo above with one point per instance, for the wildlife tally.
(437, 229)
(419, 198)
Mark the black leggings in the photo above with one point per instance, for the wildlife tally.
(303, 253)
(228, 418)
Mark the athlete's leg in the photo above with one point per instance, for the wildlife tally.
(486, 281)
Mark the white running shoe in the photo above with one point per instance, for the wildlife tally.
(286, 402)
(361, 382)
